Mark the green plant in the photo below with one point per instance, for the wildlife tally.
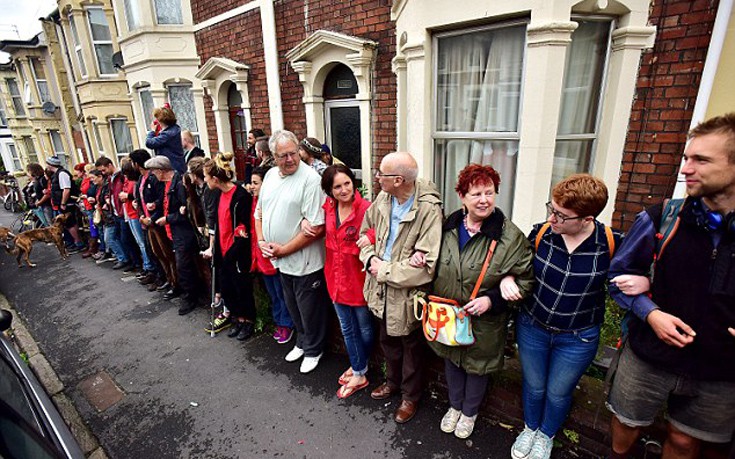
(263, 318)
(571, 435)
(610, 331)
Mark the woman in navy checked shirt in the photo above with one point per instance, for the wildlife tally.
(559, 326)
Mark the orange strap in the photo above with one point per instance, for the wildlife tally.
(608, 234)
(489, 257)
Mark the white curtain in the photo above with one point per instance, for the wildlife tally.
(479, 79)
(168, 11)
(132, 14)
(583, 76)
(182, 103)
(122, 138)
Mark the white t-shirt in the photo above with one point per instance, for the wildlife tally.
(284, 201)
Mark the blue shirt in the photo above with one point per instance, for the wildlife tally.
(397, 212)
(570, 287)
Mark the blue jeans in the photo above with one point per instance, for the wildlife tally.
(38, 211)
(552, 365)
(113, 242)
(357, 328)
(137, 231)
(275, 291)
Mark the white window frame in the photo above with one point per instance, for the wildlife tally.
(189, 86)
(77, 45)
(3, 114)
(98, 138)
(155, 14)
(147, 117)
(17, 99)
(133, 16)
(593, 136)
(32, 62)
(96, 43)
(436, 134)
(57, 142)
(30, 147)
(118, 154)
(14, 156)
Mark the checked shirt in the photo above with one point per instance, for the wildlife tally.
(570, 287)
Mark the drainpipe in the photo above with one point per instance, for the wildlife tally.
(711, 63)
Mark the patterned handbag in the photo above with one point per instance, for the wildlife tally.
(443, 320)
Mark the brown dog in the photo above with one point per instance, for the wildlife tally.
(6, 235)
(54, 233)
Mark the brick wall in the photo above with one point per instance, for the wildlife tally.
(666, 91)
(239, 39)
(368, 19)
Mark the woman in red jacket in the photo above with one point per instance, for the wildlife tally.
(344, 210)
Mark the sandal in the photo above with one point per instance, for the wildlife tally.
(345, 391)
(345, 378)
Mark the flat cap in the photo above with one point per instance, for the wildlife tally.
(159, 162)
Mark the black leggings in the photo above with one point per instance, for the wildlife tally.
(466, 391)
(236, 288)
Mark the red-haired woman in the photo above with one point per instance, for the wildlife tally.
(467, 236)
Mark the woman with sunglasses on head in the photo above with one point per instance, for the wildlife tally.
(558, 327)
(232, 250)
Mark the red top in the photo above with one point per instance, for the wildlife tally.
(84, 187)
(141, 186)
(129, 188)
(342, 268)
(224, 221)
(260, 263)
(165, 210)
(48, 188)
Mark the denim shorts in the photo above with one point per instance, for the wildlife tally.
(701, 409)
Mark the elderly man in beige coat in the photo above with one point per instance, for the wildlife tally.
(407, 219)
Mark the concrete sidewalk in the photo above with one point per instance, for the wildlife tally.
(184, 394)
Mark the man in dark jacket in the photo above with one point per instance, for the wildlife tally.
(180, 231)
(190, 147)
(681, 340)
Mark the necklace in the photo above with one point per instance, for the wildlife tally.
(471, 231)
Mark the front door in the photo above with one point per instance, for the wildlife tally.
(239, 140)
(343, 132)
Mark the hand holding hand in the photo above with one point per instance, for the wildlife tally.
(307, 229)
(375, 264)
(509, 289)
(207, 254)
(161, 221)
(478, 306)
(670, 329)
(151, 206)
(364, 241)
(418, 259)
(631, 285)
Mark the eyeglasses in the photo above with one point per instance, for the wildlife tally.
(379, 174)
(558, 215)
(292, 154)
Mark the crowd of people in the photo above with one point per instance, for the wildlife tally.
(184, 224)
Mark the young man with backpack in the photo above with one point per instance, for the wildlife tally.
(680, 343)
(64, 192)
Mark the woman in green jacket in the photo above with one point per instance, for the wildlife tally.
(467, 235)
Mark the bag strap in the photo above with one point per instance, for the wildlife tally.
(669, 224)
(488, 257)
(544, 228)
(610, 240)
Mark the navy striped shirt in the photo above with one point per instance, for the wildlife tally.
(570, 288)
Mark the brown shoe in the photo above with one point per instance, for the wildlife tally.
(382, 392)
(406, 411)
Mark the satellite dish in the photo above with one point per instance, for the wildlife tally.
(48, 108)
(117, 60)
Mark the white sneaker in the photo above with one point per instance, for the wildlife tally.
(309, 363)
(449, 421)
(541, 448)
(295, 354)
(523, 444)
(465, 426)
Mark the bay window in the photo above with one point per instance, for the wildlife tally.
(101, 40)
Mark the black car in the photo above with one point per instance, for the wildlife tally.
(30, 425)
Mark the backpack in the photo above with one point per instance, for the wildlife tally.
(608, 234)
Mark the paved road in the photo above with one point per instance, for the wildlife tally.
(251, 403)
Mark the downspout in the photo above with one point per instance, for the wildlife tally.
(711, 64)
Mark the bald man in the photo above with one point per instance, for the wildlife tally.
(407, 218)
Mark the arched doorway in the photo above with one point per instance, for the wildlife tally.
(342, 117)
(238, 130)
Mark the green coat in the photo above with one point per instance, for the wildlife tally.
(457, 273)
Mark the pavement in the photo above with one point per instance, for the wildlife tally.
(152, 384)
